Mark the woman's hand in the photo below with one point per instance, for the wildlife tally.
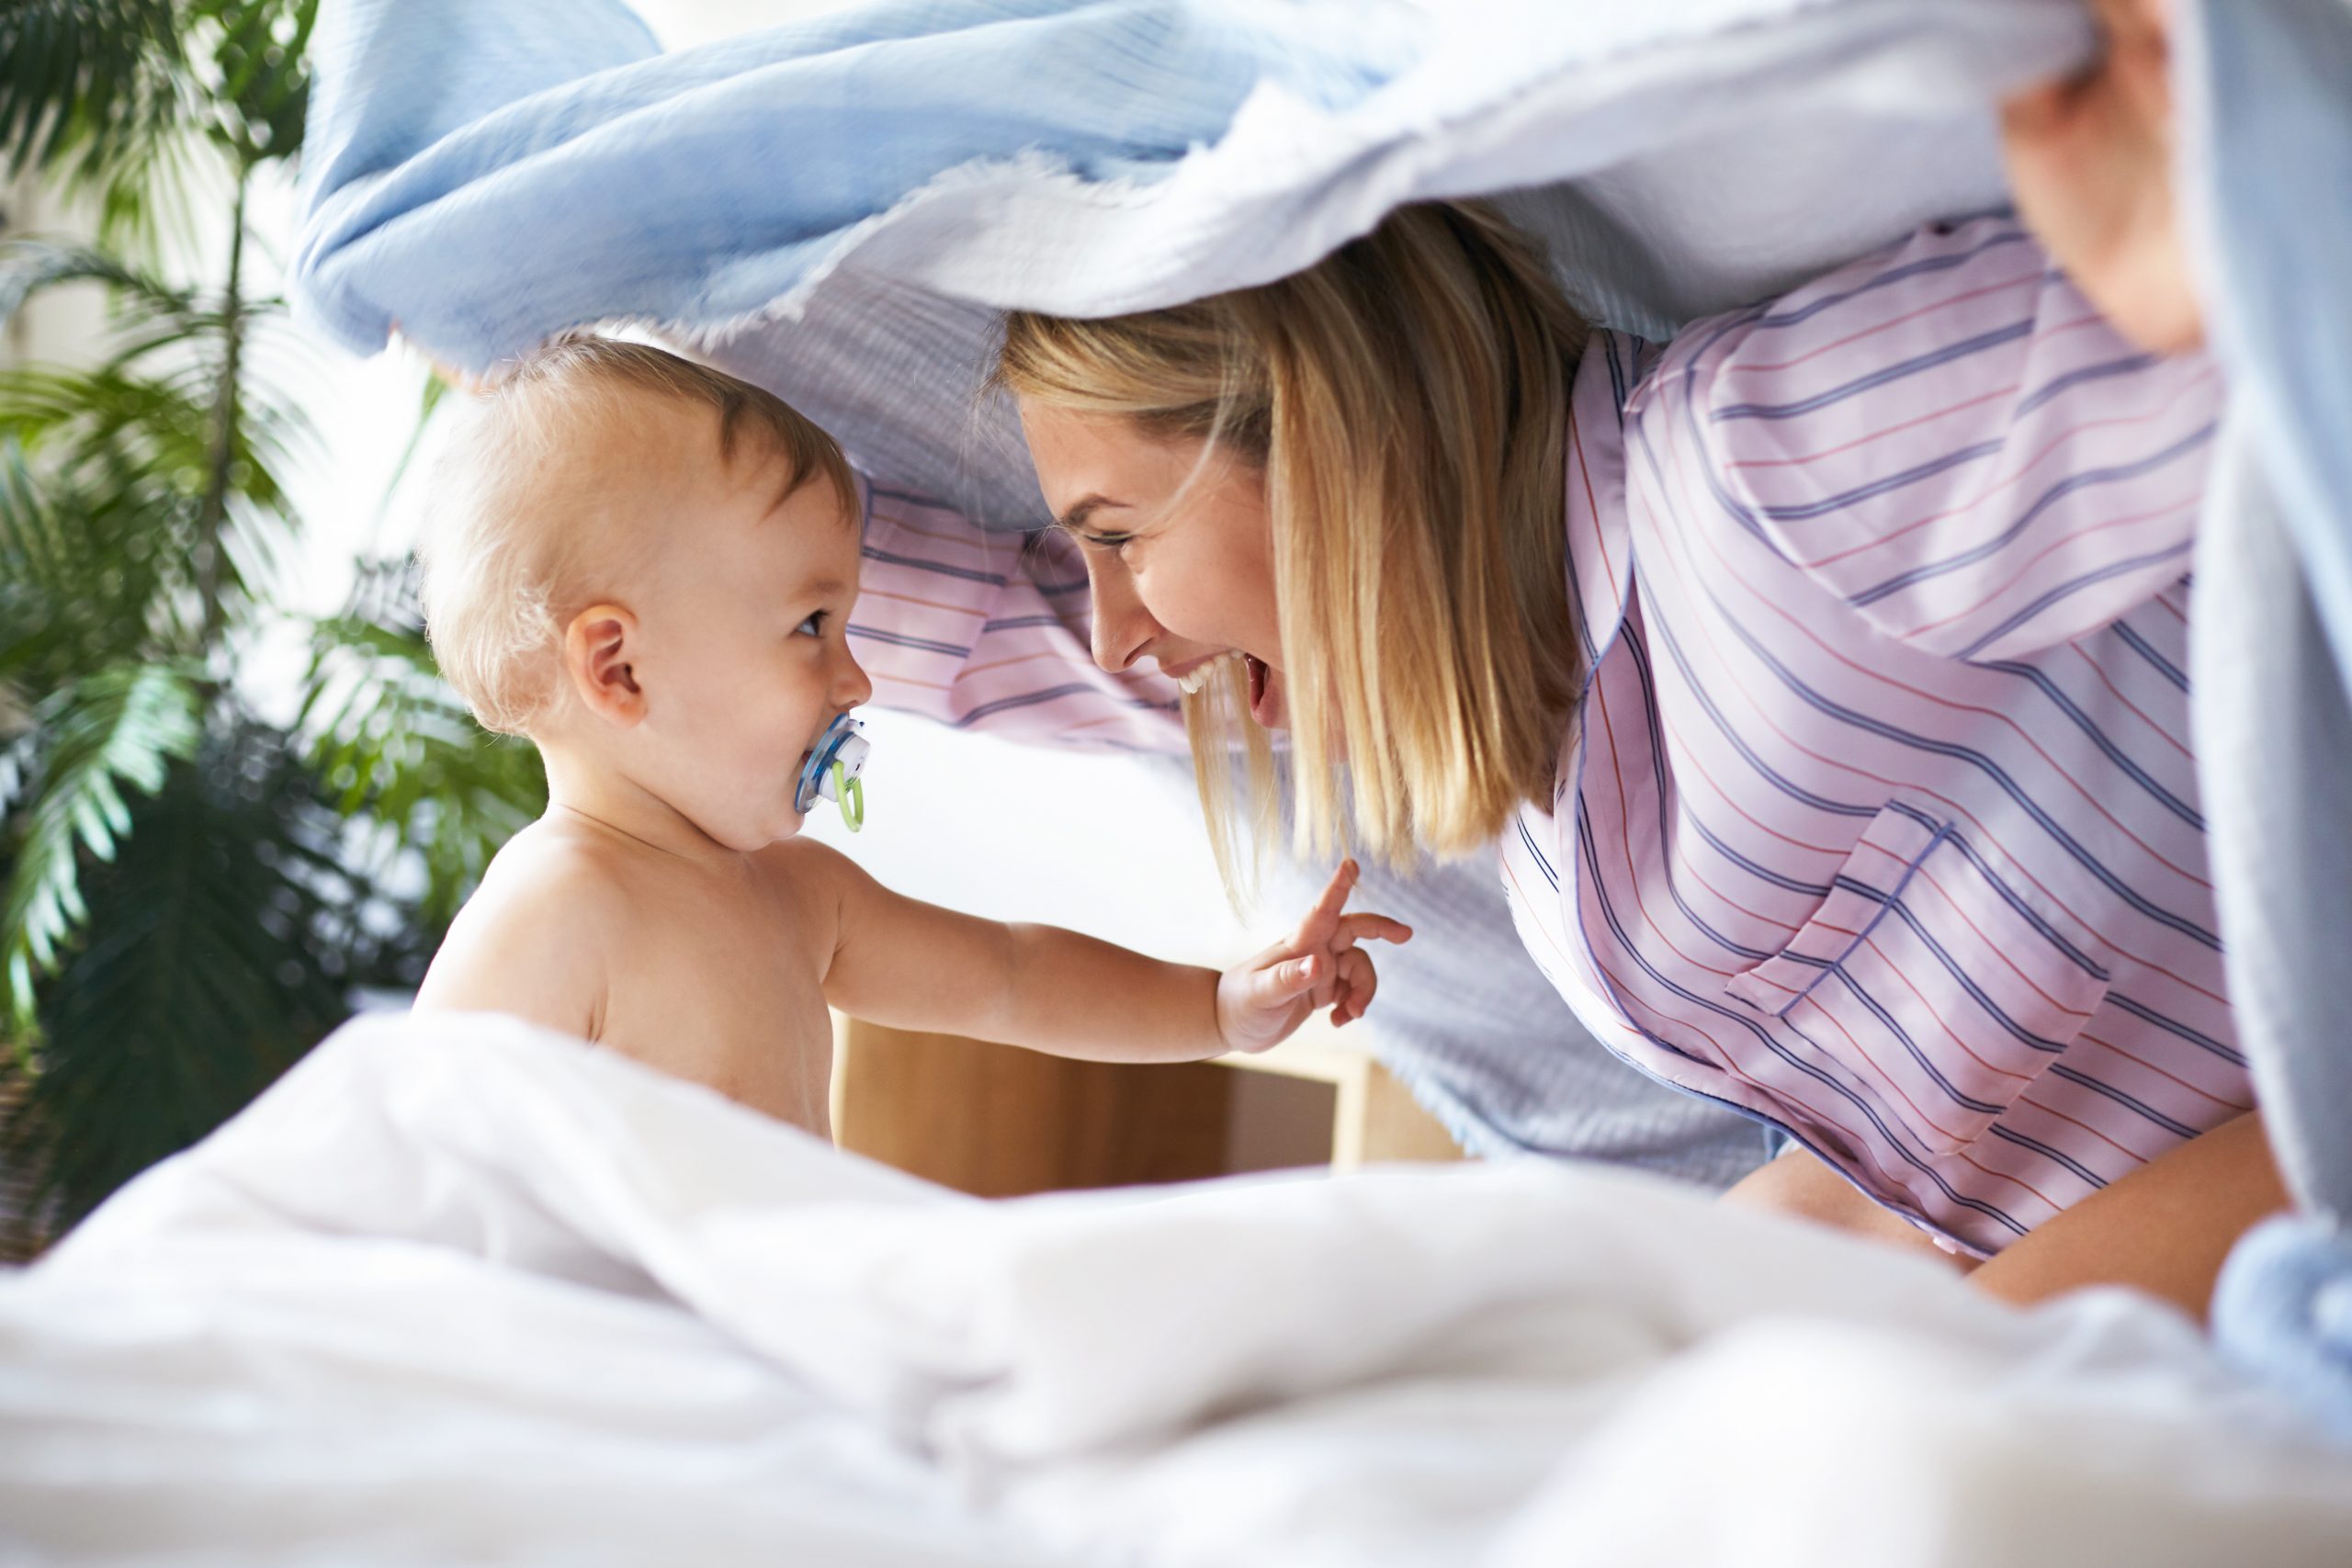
(2091, 159)
(1260, 1001)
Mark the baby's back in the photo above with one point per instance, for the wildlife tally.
(709, 970)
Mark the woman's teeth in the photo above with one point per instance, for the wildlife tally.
(1193, 680)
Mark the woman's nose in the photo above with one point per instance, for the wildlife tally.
(1123, 627)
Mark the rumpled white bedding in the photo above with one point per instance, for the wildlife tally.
(457, 1290)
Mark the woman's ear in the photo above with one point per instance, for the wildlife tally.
(599, 652)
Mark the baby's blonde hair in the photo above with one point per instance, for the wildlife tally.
(500, 575)
(1406, 400)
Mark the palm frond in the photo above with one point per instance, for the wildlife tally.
(393, 744)
(226, 941)
(29, 266)
(148, 445)
(119, 727)
(85, 80)
(259, 49)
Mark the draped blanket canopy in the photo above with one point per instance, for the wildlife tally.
(838, 208)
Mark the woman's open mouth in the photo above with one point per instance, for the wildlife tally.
(1265, 687)
(1265, 692)
(1193, 678)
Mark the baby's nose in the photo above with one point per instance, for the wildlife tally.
(856, 687)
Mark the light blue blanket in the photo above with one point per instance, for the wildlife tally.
(2268, 94)
(838, 208)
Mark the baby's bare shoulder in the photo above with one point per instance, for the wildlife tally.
(807, 872)
(537, 939)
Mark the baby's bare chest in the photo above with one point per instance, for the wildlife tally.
(725, 987)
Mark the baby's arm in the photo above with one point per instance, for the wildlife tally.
(534, 943)
(909, 964)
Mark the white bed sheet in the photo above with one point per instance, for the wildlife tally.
(457, 1290)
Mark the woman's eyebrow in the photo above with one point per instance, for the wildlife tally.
(1083, 508)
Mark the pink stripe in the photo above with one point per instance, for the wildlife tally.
(1927, 309)
(1993, 395)
(2065, 543)
(2058, 443)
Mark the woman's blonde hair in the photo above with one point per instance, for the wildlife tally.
(504, 565)
(1406, 400)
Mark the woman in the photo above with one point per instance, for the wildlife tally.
(1818, 671)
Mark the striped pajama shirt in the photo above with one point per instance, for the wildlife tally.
(1879, 820)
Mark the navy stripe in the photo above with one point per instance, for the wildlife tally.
(2061, 1070)
(1542, 863)
(898, 639)
(1901, 1148)
(1893, 275)
(2067, 590)
(2024, 1036)
(2175, 1027)
(1900, 370)
(1779, 781)
(1708, 472)
(2008, 894)
(2046, 1152)
(1838, 503)
(2087, 480)
(993, 579)
(1946, 748)
(2091, 731)
(1019, 623)
(1938, 748)
(1867, 1111)
(2080, 375)
(1762, 873)
(1618, 390)
(1659, 774)
(1903, 1037)
(2141, 646)
(1983, 764)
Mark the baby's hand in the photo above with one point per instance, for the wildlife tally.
(1259, 1002)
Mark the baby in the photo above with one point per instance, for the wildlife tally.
(648, 568)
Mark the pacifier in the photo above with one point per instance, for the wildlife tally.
(832, 769)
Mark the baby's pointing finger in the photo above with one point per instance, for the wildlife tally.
(1320, 920)
(1366, 926)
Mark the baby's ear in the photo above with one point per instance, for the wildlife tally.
(599, 647)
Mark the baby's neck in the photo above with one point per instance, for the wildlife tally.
(587, 790)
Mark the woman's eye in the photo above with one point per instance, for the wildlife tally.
(814, 626)
(1108, 541)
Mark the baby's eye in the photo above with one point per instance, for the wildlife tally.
(814, 626)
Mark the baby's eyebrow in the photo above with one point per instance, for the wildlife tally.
(825, 588)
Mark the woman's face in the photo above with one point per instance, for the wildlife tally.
(1179, 551)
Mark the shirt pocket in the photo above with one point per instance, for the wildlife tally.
(1933, 981)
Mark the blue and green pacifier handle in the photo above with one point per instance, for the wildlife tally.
(832, 769)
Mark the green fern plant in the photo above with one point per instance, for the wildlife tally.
(190, 896)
